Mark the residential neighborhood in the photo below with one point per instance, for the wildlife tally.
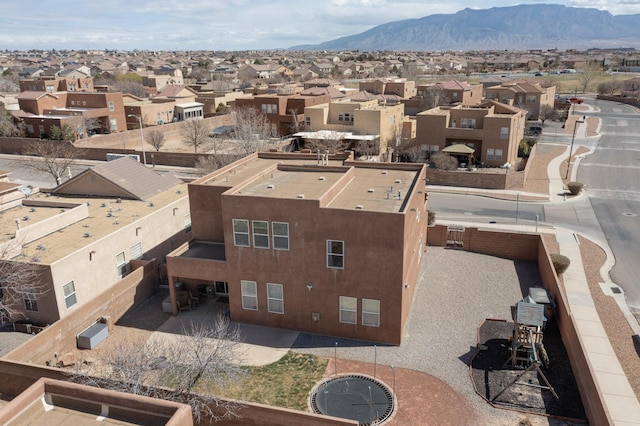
(316, 201)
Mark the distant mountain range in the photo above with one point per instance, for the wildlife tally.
(542, 26)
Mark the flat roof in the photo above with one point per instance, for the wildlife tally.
(105, 215)
(381, 187)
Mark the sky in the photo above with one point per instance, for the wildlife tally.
(222, 24)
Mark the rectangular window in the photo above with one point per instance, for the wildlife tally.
(504, 133)
(531, 99)
(463, 123)
(249, 295)
(69, 290)
(490, 154)
(30, 302)
(307, 121)
(335, 254)
(187, 223)
(260, 234)
(112, 106)
(121, 264)
(136, 251)
(241, 233)
(280, 232)
(371, 312)
(114, 124)
(348, 309)
(30, 128)
(472, 123)
(275, 298)
(498, 154)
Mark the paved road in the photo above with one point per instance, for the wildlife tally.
(612, 177)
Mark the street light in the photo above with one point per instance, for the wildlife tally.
(575, 126)
(144, 157)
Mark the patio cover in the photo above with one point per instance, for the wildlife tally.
(459, 149)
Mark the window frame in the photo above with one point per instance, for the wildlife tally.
(347, 310)
(30, 300)
(370, 314)
(332, 255)
(490, 154)
(271, 299)
(187, 223)
(260, 236)
(237, 233)
(121, 267)
(245, 294)
(71, 295)
(498, 154)
(279, 237)
(504, 133)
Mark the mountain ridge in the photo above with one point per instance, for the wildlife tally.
(523, 27)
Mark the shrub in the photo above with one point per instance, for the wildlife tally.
(560, 263)
(523, 149)
(575, 187)
(444, 161)
(431, 217)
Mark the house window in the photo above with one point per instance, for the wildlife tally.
(30, 302)
(453, 124)
(345, 116)
(335, 254)
(490, 154)
(498, 155)
(464, 123)
(307, 121)
(121, 264)
(187, 223)
(30, 128)
(269, 108)
(241, 232)
(472, 123)
(249, 295)
(530, 99)
(371, 312)
(114, 124)
(69, 290)
(260, 234)
(348, 309)
(275, 298)
(455, 96)
(112, 106)
(136, 251)
(504, 133)
(280, 232)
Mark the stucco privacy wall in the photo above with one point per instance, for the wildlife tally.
(60, 337)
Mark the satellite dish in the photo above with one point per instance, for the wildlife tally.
(26, 190)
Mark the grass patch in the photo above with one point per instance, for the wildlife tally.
(285, 383)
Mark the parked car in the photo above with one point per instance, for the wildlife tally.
(534, 130)
(576, 100)
(222, 131)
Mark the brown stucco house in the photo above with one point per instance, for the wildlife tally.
(491, 128)
(321, 245)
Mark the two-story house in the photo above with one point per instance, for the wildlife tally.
(494, 130)
(453, 92)
(399, 86)
(321, 245)
(525, 95)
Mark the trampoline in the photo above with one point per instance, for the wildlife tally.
(354, 397)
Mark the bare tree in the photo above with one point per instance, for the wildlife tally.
(326, 141)
(20, 284)
(609, 87)
(253, 131)
(195, 133)
(156, 138)
(52, 157)
(203, 356)
(588, 74)
(432, 97)
(546, 112)
(8, 128)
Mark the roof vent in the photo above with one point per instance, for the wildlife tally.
(300, 196)
(371, 190)
(384, 172)
(322, 178)
(32, 209)
(87, 234)
(103, 205)
(397, 181)
(270, 186)
(359, 207)
(151, 205)
(109, 214)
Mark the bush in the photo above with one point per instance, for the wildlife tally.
(575, 187)
(431, 217)
(523, 149)
(444, 161)
(560, 263)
